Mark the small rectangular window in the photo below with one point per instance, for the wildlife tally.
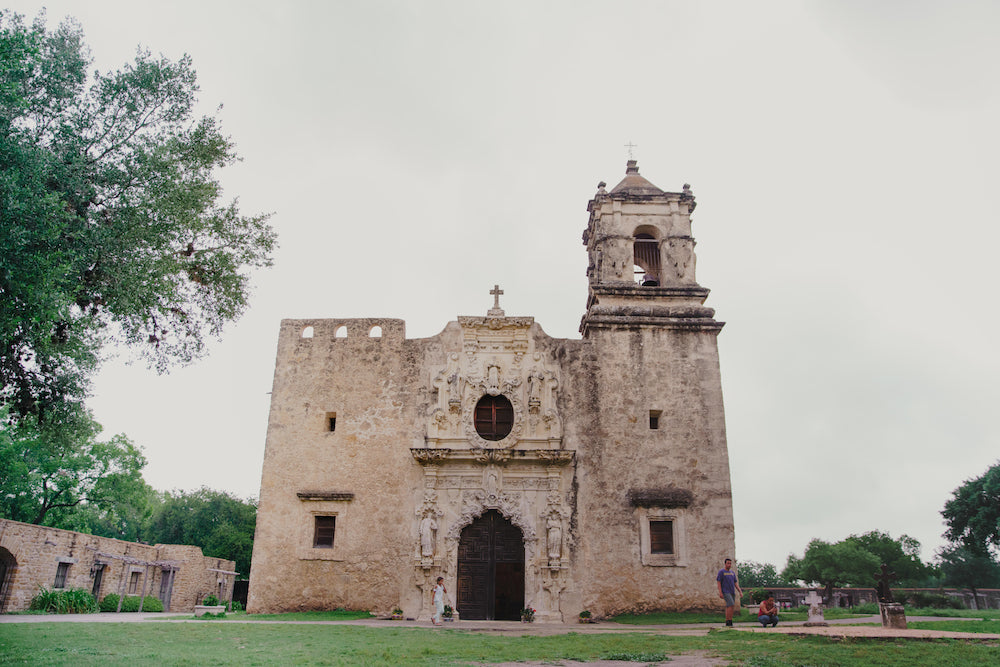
(98, 577)
(133, 583)
(661, 537)
(61, 571)
(325, 529)
(654, 419)
(331, 421)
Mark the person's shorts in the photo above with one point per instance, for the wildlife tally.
(730, 599)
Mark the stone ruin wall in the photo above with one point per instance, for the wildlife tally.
(38, 551)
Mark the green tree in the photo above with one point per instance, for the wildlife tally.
(759, 575)
(221, 524)
(50, 470)
(968, 568)
(831, 565)
(902, 556)
(112, 227)
(973, 513)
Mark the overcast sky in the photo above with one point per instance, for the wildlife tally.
(845, 160)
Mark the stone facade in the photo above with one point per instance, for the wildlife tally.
(32, 557)
(560, 474)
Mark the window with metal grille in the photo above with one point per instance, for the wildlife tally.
(326, 527)
(661, 537)
(61, 571)
(494, 417)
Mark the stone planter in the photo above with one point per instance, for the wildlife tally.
(201, 609)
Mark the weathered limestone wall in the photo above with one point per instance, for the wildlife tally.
(376, 387)
(37, 552)
(628, 472)
(579, 470)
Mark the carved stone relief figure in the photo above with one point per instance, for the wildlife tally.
(553, 529)
(493, 378)
(535, 383)
(428, 533)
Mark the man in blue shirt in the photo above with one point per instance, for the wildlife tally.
(729, 586)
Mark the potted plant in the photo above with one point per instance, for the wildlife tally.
(527, 615)
(448, 614)
(397, 614)
(585, 616)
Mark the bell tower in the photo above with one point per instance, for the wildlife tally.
(642, 264)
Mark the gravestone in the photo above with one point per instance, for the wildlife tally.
(893, 614)
(815, 610)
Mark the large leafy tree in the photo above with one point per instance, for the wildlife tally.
(112, 224)
(973, 513)
(856, 560)
(831, 565)
(52, 471)
(759, 575)
(902, 556)
(968, 568)
(221, 524)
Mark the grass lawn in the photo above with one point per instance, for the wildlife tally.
(741, 616)
(271, 644)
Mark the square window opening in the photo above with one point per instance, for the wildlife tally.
(325, 530)
(133, 583)
(61, 571)
(661, 537)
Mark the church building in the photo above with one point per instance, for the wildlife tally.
(528, 471)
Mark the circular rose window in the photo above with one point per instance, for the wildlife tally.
(494, 417)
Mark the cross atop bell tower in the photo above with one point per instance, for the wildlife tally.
(642, 262)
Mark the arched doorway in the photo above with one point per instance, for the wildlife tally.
(7, 566)
(490, 569)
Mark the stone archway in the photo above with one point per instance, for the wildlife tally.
(8, 564)
(490, 569)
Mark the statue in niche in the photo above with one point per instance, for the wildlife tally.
(493, 378)
(455, 382)
(492, 479)
(428, 531)
(554, 536)
(535, 380)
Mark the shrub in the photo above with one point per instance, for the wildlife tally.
(933, 600)
(69, 601)
(210, 600)
(236, 606)
(130, 603)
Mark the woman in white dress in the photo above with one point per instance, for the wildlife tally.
(439, 593)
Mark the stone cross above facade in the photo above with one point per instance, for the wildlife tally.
(496, 311)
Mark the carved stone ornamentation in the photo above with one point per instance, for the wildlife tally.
(428, 456)
(474, 503)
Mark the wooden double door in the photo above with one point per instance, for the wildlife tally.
(490, 570)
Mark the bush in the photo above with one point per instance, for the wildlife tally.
(236, 606)
(211, 600)
(933, 600)
(130, 603)
(69, 601)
